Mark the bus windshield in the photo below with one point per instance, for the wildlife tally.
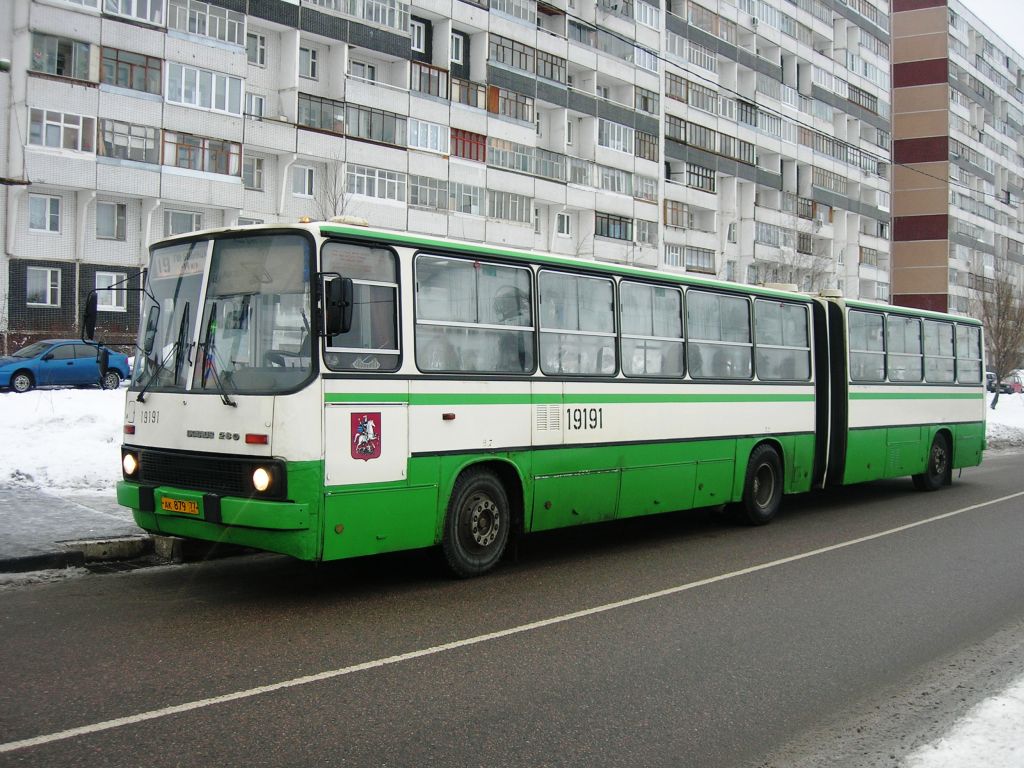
(250, 333)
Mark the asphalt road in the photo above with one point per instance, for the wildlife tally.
(677, 641)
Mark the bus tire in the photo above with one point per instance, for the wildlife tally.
(477, 524)
(935, 472)
(762, 489)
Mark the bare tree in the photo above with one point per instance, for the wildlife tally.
(330, 197)
(1001, 311)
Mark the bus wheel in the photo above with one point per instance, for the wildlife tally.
(477, 524)
(762, 490)
(934, 474)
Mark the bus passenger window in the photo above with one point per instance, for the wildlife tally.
(867, 346)
(473, 316)
(577, 326)
(652, 329)
(718, 336)
(782, 341)
(371, 344)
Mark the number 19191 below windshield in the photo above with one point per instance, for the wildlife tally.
(251, 332)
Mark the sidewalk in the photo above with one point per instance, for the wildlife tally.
(39, 530)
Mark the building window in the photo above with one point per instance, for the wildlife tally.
(375, 125)
(110, 221)
(108, 297)
(432, 137)
(256, 49)
(245, 221)
(131, 70)
(430, 80)
(700, 259)
(615, 227)
(129, 142)
(418, 36)
(204, 89)
(509, 206)
(699, 177)
(426, 192)
(182, 222)
(375, 182)
(324, 114)
(308, 63)
(143, 10)
(510, 104)
(646, 101)
(255, 105)
(458, 42)
(465, 198)
(62, 131)
(646, 146)
(197, 153)
(551, 67)
(60, 56)
(563, 225)
(615, 136)
(252, 173)
(360, 70)
(504, 50)
(199, 18)
(43, 213)
(42, 287)
(647, 232)
(303, 181)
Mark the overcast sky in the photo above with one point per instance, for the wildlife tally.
(1004, 17)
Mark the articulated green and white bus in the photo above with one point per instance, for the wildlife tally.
(327, 390)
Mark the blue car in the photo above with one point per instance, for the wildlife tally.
(60, 363)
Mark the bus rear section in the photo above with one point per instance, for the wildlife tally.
(908, 394)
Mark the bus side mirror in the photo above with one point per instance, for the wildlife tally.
(338, 301)
(149, 338)
(89, 321)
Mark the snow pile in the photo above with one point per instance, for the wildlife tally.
(61, 439)
(65, 440)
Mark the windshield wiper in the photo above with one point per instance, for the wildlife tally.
(174, 350)
(210, 359)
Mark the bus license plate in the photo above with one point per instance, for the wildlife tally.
(178, 505)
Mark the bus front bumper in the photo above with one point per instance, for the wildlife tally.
(276, 526)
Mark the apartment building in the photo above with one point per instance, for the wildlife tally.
(958, 127)
(747, 139)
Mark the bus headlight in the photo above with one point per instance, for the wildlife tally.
(130, 464)
(261, 479)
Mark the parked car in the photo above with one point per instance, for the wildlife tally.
(60, 363)
(1006, 386)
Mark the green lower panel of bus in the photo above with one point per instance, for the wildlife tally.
(560, 487)
(873, 454)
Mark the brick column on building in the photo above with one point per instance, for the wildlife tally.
(920, 131)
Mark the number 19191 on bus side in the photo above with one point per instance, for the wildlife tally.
(584, 418)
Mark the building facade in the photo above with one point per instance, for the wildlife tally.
(747, 139)
(958, 130)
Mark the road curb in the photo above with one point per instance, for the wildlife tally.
(43, 562)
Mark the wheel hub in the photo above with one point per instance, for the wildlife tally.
(764, 485)
(484, 521)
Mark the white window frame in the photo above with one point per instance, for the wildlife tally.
(428, 136)
(107, 299)
(563, 224)
(303, 180)
(458, 43)
(170, 215)
(245, 221)
(616, 136)
(149, 11)
(53, 217)
(255, 104)
(418, 36)
(218, 88)
(256, 177)
(196, 17)
(260, 49)
(362, 70)
(52, 287)
(120, 220)
(308, 68)
(80, 128)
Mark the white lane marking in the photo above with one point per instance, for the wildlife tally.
(154, 714)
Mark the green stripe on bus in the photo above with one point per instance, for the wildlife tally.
(917, 395)
(527, 399)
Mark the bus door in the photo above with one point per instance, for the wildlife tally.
(822, 391)
(839, 416)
